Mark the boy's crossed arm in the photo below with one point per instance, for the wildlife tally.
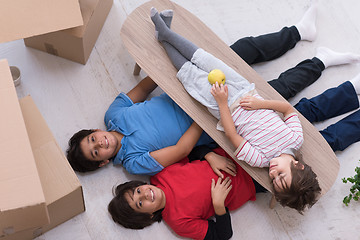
(253, 103)
(220, 93)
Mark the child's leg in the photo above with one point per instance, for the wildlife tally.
(175, 56)
(266, 47)
(296, 79)
(331, 103)
(270, 46)
(184, 46)
(166, 16)
(195, 80)
(343, 133)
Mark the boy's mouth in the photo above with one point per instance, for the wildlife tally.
(271, 166)
(106, 142)
(152, 195)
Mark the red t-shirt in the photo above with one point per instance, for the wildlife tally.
(187, 188)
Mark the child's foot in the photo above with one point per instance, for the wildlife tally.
(160, 26)
(331, 58)
(307, 24)
(356, 83)
(166, 16)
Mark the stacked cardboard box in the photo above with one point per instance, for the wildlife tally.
(26, 18)
(77, 43)
(22, 201)
(38, 188)
(67, 28)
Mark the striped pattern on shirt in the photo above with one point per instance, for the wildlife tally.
(266, 135)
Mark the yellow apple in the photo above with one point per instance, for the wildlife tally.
(216, 75)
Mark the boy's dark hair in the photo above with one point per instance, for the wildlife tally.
(76, 156)
(304, 189)
(122, 213)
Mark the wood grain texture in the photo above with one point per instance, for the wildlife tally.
(138, 36)
(72, 96)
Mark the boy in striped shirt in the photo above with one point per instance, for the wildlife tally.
(261, 136)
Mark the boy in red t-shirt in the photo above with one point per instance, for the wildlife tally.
(185, 195)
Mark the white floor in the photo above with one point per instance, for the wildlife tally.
(72, 96)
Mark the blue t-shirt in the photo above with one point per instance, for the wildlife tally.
(147, 126)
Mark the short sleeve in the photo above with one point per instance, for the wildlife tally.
(143, 164)
(249, 154)
(121, 102)
(293, 122)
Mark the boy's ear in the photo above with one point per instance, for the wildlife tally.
(104, 162)
(299, 165)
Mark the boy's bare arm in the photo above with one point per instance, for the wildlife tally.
(220, 94)
(252, 103)
(142, 90)
(172, 154)
(229, 126)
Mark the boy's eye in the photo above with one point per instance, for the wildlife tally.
(138, 190)
(92, 139)
(96, 152)
(140, 203)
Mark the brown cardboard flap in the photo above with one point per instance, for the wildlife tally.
(62, 189)
(54, 169)
(20, 188)
(87, 9)
(26, 18)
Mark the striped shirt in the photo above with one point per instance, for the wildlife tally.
(265, 135)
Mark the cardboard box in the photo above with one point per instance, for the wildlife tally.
(35, 175)
(77, 43)
(26, 18)
(22, 202)
(62, 189)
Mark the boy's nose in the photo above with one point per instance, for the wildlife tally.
(99, 143)
(273, 174)
(143, 196)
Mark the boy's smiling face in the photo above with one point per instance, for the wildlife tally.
(146, 199)
(100, 145)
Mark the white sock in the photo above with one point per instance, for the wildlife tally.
(307, 24)
(331, 58)
(356, 83)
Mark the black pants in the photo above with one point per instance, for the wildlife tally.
(333, 102)
(271, 46)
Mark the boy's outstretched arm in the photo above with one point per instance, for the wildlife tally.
(172, 154)
(142, 90)
(220, 93)
(252, 103)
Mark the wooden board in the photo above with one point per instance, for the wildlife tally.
(138, 36)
